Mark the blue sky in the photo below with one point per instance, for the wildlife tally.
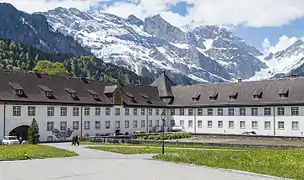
(253, 20)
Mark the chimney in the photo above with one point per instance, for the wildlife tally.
(240, 80)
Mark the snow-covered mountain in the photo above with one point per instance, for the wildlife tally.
(147, 47)
(282, 63)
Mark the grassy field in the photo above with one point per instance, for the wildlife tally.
(283, 163)
(23, 152)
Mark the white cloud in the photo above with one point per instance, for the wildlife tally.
(283, 43)
(257, 13)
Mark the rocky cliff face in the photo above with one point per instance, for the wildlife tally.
(35, 31)
(150, 46)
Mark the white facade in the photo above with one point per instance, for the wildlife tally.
(55, 121)
(59, 122)
(288, 120)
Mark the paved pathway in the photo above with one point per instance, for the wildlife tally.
(98, 165)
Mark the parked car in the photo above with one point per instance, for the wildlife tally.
(10, 140)
(249, 133)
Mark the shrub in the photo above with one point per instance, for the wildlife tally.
(166, 136)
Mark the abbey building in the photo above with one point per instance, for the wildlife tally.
(63, 106)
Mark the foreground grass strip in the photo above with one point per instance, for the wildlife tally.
(274, 162)
(23, 152)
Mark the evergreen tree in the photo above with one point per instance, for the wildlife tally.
(33, 132)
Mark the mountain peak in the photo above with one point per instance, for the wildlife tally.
(135, 20)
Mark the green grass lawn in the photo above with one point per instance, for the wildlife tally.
(23, 152)
(283, 163)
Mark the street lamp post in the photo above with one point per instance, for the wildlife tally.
(163, 118)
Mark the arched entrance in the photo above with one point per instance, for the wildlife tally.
(20, 131)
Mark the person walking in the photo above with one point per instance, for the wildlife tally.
(77, 140)
(73, 140)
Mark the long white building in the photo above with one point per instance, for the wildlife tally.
(63, 106)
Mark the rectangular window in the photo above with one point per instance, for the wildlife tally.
(209, 124)
(63, 111)
(242, 125)
(190, 123)
(87, 111)
(31, 111)
(220, 111)
(172, 112)
(63, 125)
(142, 111)
(108, 111)
(150, 112)
(134, 111)
(157, 123)
(267, 111)
(254, 111)
(134, 123)
(50, 111)
(182, 123)
(199, 123)
(75, 125)
(108, 124)
(281, 125)
(50, 126)
(117, 111)
(172, 123)
(16, 110)
(200, 112)
(294, 111)
(164, 111)
(190, 112)
(150, 123)
(97, 111)
(281, 111)
(210, 112)
(97, 125)
(142, 124)
(230, 111)
(86, 125)
(117, 124)
(127, 123)
(75, 111)
(220, 124)
(267, 125)
(156, 112)
(231, 124)
(182, 112)
(242, 111)
(127, 111)
(254, 125)
(295, 125)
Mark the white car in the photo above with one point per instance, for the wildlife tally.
(10, 140)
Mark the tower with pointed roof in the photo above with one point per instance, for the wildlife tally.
(164, 84)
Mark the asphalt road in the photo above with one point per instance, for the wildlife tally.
(97, 165)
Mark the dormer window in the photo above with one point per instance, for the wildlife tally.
(146, 98)
(132, 97)
(196, 97)
(94, 95)
(72, 93)
(233, 95)
(283, 93)
(258, 94)
(47, 91)
(18, 89)
(213, 95)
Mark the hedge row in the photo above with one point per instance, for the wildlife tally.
(166, 136)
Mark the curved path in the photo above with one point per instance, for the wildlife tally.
(97, 165)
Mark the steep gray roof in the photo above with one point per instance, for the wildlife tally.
(266, 92)
(164, 84)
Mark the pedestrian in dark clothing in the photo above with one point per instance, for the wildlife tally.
(76, 140)
(73, 141)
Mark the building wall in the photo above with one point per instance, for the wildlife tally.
(1, 120)
(89, 121)
(287, 119)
